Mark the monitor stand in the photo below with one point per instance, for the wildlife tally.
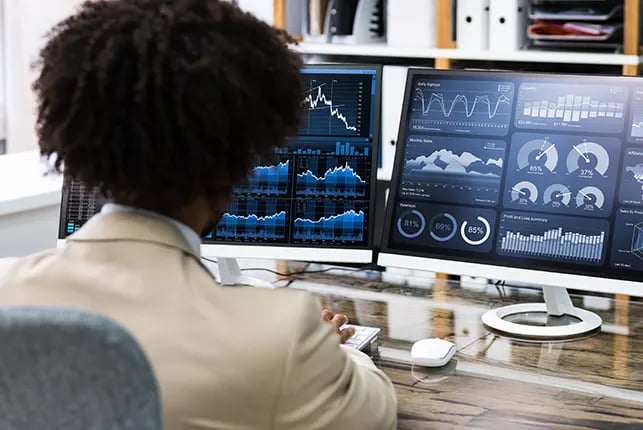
(230, 274)
(561, 319)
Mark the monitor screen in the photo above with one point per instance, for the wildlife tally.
(316, 192)
(526, 171)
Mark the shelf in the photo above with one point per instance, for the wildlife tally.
(531, 56)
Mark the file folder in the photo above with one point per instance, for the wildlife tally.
(507, 24)
(411, 23)
(472, 27)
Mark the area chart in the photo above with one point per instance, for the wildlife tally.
(453, 170)
(267, 180)
(254, 219)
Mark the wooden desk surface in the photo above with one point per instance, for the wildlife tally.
(494, 382)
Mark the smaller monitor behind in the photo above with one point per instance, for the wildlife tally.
(315, 201)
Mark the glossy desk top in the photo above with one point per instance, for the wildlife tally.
(494, 382)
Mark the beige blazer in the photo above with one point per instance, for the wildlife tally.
(225, 357)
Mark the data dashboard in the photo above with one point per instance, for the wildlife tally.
(316, 191)
(521, 170)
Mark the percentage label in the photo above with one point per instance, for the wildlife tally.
(411, 224)
(441, 226)
(476, 230)
(536, 169)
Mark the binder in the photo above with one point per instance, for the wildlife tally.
(507, 24)
(393, 84)
(472, 26)
(411, 23)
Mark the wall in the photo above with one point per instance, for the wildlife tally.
(26, 24)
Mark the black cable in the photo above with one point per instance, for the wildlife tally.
(500, 283)
(303, 272)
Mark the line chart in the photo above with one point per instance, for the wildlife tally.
(320, 101)
(460, 98)
(336, 106)
(461, 107)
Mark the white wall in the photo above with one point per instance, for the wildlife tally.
(26, 24)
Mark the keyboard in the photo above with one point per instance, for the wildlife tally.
(363, 338)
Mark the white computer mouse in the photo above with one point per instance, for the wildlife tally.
(432, 352)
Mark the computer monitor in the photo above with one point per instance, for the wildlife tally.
(525, 177)
(315, 200)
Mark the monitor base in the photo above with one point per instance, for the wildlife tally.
(230, 274)
(569, 322)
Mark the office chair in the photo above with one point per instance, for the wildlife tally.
(64, 368)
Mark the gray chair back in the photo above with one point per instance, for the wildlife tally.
(65, 368)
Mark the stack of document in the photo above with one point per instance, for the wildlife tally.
(576, 24)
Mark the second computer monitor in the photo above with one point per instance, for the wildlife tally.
(315, 200)
(527, 177)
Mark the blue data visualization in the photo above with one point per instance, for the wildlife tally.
(461, 107)
(421, 225)
(337, 105)
(332, 176)
(453, 170)
(271, 180)
(627, 248)
(566, 174)
(252, 219)
(330, 221)
(572, 107)
(631, 189)
(80, 205)
(552, 237)
(329, 148)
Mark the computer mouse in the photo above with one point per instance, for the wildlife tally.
(432, 352)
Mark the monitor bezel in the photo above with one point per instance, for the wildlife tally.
(432, 261)
(309, 252)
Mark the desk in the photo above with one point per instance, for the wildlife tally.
(492, 382)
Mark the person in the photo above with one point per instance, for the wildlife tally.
(164, 105)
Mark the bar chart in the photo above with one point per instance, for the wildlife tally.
(552, 237)
(576, 107)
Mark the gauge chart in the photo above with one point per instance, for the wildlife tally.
(571, 107)
(627, 245)
(411, 223)
(524, 193)
(567, 174)
(421, 225)
(557, 195)
(461, 106)
(590, 199)
(587, 159)
(538, 156)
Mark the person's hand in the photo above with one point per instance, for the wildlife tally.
(338, 320)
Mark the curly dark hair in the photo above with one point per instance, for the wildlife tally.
(159, 102)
